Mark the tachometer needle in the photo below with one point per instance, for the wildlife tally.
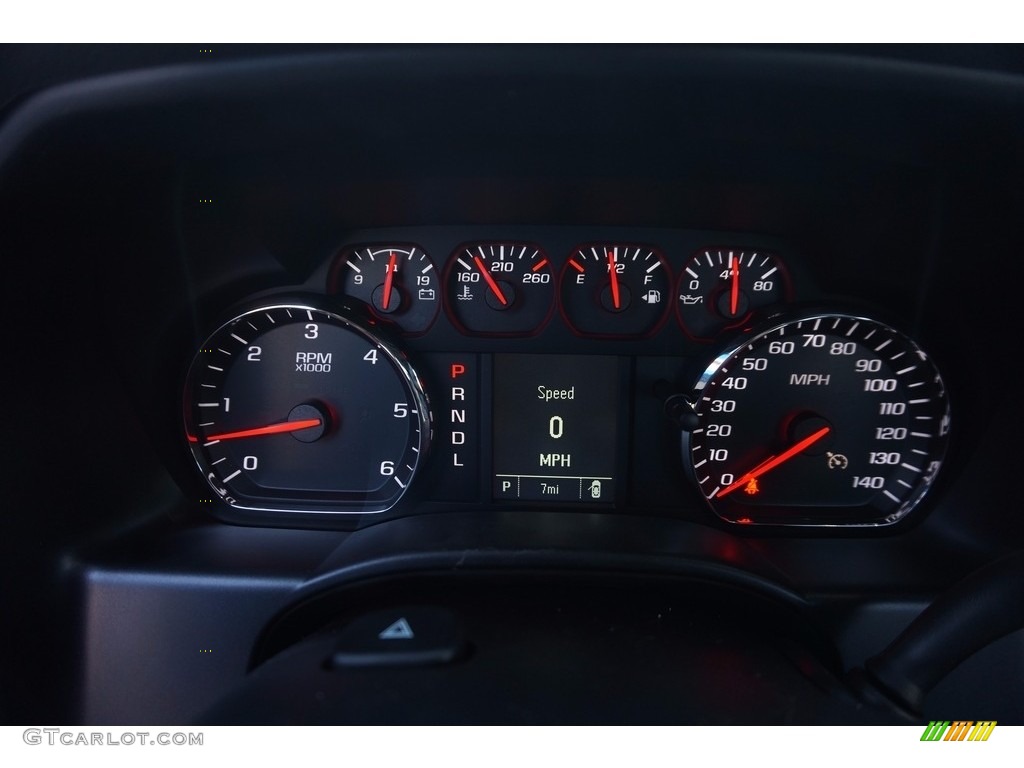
(773, 461)
(495, 288)
(271, 429)
(734, 298)
(615, 279)
(389, 278)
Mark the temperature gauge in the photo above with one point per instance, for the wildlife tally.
(500, 289)
(720, 289)
(615, 290)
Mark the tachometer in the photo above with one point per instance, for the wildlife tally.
(825, 420)
(295, 409)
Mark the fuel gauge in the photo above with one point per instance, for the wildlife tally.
(615, 290)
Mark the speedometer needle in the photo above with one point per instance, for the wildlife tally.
(615, 279)
(271, 429)
(734, 298)
(495, 288)
(773, 461)
(389, 278)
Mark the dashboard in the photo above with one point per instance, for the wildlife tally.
(554, 360)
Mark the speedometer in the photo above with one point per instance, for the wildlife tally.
(824, 420)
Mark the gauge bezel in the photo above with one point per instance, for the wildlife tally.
(290, 513)
(450, 270)
(566, 271)
(336, 280)
(939, 444)
(751, 315)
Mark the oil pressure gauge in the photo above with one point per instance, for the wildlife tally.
(722, 288)
(294, 409)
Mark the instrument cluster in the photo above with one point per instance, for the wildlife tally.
(696, 374)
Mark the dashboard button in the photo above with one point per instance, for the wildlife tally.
(409, 636)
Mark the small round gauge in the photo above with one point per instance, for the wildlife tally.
(398, 283)
(824, 420)
(292, 408)
(499, 289)
(615, 290)
(723, 288)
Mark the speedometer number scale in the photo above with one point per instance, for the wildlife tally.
(825, 420)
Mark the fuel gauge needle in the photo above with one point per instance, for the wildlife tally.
(616, 302)
(773, 461)
(270, 429)
(495, 288)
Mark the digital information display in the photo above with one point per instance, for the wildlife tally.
(555, 427)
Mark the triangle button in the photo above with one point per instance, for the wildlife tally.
(399, 630)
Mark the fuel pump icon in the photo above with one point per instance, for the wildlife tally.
(595, 489)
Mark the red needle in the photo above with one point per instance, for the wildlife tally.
(734, 299)
(388, 279)
(490, 281)
(773, 461)
(272, 429)
(615, 279)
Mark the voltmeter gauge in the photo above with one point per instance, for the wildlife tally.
(615, 290)
(499, 289)
(397, 282)
(294, 409)
(722, 288)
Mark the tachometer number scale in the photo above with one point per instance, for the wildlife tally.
(296, 409)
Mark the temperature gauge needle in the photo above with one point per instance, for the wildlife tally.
(271, 429)
(495, 288)
(616, 302)
(734, 297)
(389, 278)
(773, 461)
